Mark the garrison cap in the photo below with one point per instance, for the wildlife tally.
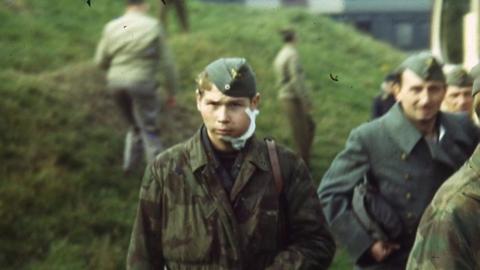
(232, 76)
(475, 71)
(459, 77)
(425, 65)
(476, 86)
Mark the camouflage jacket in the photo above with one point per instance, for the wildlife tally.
(186, 219)
(448, 236)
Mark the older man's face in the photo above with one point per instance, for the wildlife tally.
(420, 99)
(457, 99)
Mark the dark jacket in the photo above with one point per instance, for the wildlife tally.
(381, 104)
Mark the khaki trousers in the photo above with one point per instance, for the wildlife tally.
(302, 126)
(181, 10)
(139, 106)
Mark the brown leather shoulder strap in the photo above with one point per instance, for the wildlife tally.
(274, 162)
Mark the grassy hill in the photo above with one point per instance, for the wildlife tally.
(64, 203)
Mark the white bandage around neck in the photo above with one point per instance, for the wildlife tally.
(239, 142)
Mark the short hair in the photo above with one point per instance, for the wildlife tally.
(203, 83)
(287, 34)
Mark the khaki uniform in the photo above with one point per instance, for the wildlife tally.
(132, 49)
(405, 170)
(294, 97)
(187, 220)
(448, 236)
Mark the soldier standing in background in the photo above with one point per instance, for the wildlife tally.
(404, 157)
(459, 91)
(224, 199)
(132, 48)
(180, 8)
(294, 94)
(386, 99)
(448, 236)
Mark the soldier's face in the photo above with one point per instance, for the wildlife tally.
(420, 99)
(224, 116)
(457, 99)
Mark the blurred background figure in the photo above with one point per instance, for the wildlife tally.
(459, 91)
(180, 8)
(386, 98)
(131, 49)
(294, 95)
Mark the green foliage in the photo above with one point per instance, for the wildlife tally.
(64, 203)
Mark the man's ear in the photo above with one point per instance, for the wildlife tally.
(255, 101)
(396, 90)
(198, 98)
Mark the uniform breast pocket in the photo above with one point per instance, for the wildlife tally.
(190, 231)
(268, 230)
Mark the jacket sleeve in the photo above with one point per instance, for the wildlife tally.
(145, 251)
(444, 238)
(336, 191)
(102, 58)
(310, 244)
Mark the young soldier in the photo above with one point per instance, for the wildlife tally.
(294, 95)
(404, 157)
(216, 202)
(448, 235)
(459, 91)
(132, 48)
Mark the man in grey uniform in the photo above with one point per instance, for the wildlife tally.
(402, 158)
(132, 48)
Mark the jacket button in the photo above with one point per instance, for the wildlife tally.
(408, 196)
(408, 176)
(409, 215)
(403, 156)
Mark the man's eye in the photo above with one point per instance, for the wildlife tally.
(416, 89)
(235, 105)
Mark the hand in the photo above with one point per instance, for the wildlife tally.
(171, 102)
(380, 250)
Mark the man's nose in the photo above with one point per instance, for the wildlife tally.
(425, 97)
(222, 114)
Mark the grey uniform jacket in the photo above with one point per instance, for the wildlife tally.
(407, 173)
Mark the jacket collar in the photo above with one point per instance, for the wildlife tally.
(402, 131)
(255, 153)
(406, 135)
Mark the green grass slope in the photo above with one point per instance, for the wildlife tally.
(64, 203)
